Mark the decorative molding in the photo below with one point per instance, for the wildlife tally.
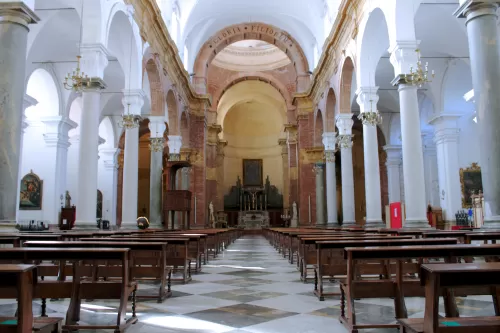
(344, 141)
(312, 155)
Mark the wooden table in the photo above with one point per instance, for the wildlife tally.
(435, 277)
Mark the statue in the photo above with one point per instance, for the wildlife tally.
(68, 200)
(294, 210)
(211, 210)
(238, 182)
(294, 222)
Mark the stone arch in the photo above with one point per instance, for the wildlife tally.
(107, 131)
(257, 76)
(173, 111)
(93, 17)
(318, 129)
(42, 86)
(346, 86)
(184, 129)
(122, 37)
(245, 31)
(156, 87)
(331, 104)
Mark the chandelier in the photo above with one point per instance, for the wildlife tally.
(129, 121)
(77, 80)
(421, 75)
(156, 144)
(370, 118)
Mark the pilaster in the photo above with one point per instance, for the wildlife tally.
(286, 172)
(293, 162)
(212, 143)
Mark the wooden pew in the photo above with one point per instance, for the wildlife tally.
(399, 266)
(482, 236)
(177, 252)
(82, 284)
(148, 262)
(435, 278)
(330, 260)
(23, 278)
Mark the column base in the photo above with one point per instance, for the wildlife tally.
(492, 222)
(129, 225)
(416, 224)
(294, 223)
(348, 223)
(8, 226)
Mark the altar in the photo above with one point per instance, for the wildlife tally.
(253, 219)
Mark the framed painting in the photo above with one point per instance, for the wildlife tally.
(252, 172)
(471, 183)
(31, 192)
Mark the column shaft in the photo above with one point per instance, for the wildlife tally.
(482, 32)
(413, 160)
(348, 208)
(155, 194)
(331, 191)
(130, 177)
(14, 20)
(393, 164)
(88, 158)
(320, 193)
(372, 176)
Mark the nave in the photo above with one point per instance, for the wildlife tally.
(248, 288)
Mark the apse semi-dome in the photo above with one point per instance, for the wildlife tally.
(251, 55)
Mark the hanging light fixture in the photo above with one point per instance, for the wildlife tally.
(77, 80)
(421, 75)
(370, 118)
(129, 120)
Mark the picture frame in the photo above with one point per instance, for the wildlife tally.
(31, 192)
(252, 172)
(470, 183)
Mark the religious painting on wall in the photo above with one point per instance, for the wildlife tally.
(31, 192)
(471, 183)
(252, 172)
(99, 205)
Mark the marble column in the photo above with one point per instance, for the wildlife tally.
(367, 100)
(446, 135)
(286, 174)
(482, 31)
(329, 141)
(157, 129)
(57, 141)
(108, 180)
(403, 56)
(14, 20)
(94, 61)
(393, 164)
(132, 102)
(319, 169)
(430, 169)
(293, 162)
(344, 142)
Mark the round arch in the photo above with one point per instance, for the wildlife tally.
(346, 86)
(318, 129)
(331, 103)
(256, 76)
(42, 87)
(156, 87)
(245, 31)
(173, 112)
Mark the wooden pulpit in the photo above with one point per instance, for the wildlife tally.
(175, 200)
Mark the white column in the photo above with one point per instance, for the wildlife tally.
(94, 61)
(430, 169)
(403, 56)
(482, 31)
(57, 140)
(393, 165)
(367, 100)
(329, 141)
(344, 141)
(446, 138)
(157, 128)
(132, 102)
(15, 18)
(319, 169)
(108, 182)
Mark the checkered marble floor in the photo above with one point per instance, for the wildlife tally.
(249, 288)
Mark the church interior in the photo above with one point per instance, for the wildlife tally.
(214, 166)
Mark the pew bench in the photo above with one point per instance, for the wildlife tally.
(436, 277)
(398, 267)
(148, 262)
(82, 284)
(331, 262)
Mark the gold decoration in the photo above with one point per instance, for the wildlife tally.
(421, 75)
(330, 156)
(77, 81)
(156, 144)
(372, 118)
(344, 141)
(470, 183)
